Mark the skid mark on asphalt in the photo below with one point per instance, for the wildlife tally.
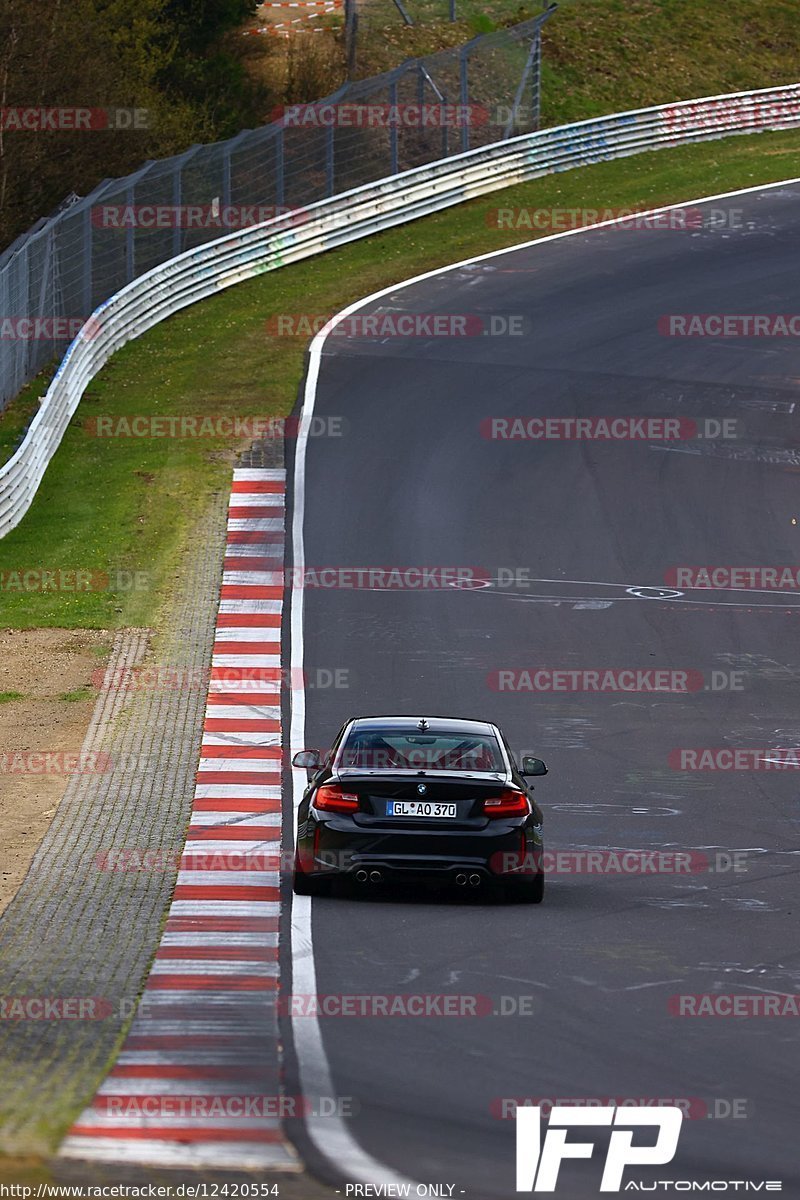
(196, 1082)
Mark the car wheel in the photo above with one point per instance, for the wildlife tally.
(307, 885)
(529, 892)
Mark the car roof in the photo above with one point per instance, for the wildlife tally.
(433, 724)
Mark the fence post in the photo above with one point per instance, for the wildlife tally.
(533, 66)
(50, 283)
(280, 168)
(23, 359)
(130, 254)
(329, 159)
(393, 130)
(226, 175)
(536, 79)
(176, 204)
(350, 35)
(463, 74)
(537, 63)
(86, 262)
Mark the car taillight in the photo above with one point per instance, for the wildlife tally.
(509, 803)
(331, 798)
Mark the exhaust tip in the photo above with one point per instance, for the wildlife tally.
(375, 877)
(461, 880)
(362, 876)
(474, 880)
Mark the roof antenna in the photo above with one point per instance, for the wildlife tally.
(423, 724)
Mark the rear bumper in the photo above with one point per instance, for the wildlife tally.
(498, 852)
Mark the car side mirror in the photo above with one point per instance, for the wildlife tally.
(533, 766)
(310, 759)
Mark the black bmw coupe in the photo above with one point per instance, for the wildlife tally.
(403, 798)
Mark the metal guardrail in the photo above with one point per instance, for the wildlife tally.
(420, 111)
(206, 270)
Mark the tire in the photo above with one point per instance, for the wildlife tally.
(529, 892)
(307, 885)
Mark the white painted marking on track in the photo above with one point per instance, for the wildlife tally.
(259, 474)
(254, 578)
(256, 524)
(247, 633)
(212, 937)
(255, 712)
(247, 738)
(220, 878)
(246, 660)
(239, 604)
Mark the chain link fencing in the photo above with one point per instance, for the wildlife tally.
(53, 277)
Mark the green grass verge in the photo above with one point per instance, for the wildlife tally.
(605, 55)
(18, 414)
(602, 56)
(124, 504)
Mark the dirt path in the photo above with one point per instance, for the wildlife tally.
(51, 671)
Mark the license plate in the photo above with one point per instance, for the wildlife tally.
(419, 808)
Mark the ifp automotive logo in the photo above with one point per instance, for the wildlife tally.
(538, 1164)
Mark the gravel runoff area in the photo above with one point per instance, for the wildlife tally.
(77, 930)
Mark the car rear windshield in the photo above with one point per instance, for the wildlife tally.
(410, 750)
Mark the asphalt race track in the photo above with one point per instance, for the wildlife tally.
(412, 481)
